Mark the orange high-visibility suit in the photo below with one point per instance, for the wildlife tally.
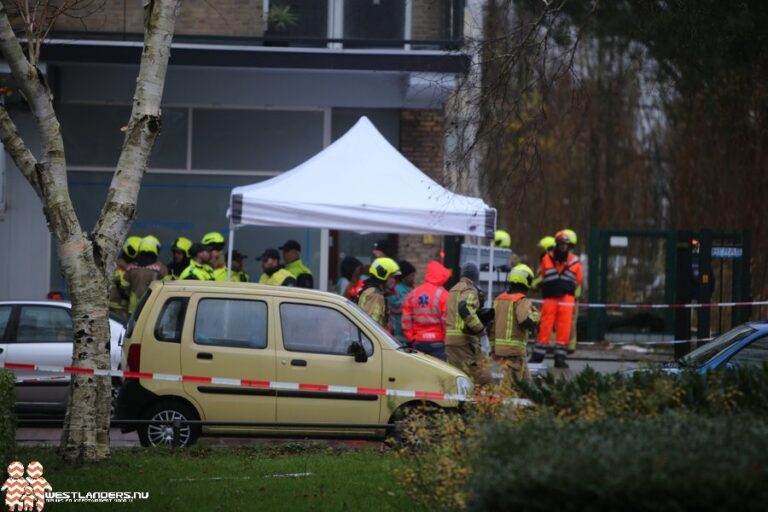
(559, 280)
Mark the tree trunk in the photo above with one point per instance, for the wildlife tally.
(88, 259)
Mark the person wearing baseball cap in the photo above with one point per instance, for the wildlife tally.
(199, 267)
(238, 275)
(273, 271)
(293, 264)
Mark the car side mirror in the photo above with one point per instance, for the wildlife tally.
(356, 349)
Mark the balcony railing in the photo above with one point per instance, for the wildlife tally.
(336, 24)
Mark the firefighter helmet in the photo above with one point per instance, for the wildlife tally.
(131, 246)
(502, 239)
(182, 244)
(563, 236)
(212, 238)
(383, 268)
(521, 274)
(547, 243)
(149, 245)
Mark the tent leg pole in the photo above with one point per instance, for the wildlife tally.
(489, 297)
(229, 250)
(322, 283)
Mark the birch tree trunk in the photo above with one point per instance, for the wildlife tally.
(88, 258)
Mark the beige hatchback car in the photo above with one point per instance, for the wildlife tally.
(267, 333)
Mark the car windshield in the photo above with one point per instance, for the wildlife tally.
(701, 355)
(383, 333)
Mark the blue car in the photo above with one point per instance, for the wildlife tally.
(745, 345)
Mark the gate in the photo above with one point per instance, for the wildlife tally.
(666, 267)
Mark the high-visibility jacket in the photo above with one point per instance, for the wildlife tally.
(198, 271)
(515, 316)
(462, 326)
(279, 277)
(373, 302)
(424, 310)
(137, 279)
(560, 278)
(118, 298)
(238, 276)
(220, 273)
(301, 272)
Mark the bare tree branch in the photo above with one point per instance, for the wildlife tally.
(22, 156)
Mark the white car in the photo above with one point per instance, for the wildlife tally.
(40, 332)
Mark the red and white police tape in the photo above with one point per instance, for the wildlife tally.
(657, 306)
(248, 383)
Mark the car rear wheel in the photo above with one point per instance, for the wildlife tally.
(163, 434)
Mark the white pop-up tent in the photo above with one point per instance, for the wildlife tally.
(359, 183)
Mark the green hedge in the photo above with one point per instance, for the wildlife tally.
(7, 416)
(669, 463)
(646, 393)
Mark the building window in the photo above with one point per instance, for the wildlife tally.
(375, 20)
(273, 140)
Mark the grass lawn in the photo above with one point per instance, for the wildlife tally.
(293, 476)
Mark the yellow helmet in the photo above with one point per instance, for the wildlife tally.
(149, 244)
(131, 246)
(182, 244)
(212, 238)
(547, 243)
(502, 239)
(521, 274)
(382, 268)
(572, 235)
(153, 239)
(564, 236)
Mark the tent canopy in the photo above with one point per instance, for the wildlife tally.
(360, 183)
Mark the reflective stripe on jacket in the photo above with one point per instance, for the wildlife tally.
(560, 278)
(462, 329)
(373, 302)
(425, 308)
(509, 337)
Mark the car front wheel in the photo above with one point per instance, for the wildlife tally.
(162, 433)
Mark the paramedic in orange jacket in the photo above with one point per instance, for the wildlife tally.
(561, 274)
(424, 312)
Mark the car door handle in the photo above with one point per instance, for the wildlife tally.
(298, 362)
(204, 355)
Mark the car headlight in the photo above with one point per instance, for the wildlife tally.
(463, 385)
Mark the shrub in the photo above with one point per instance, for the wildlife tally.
(593, 396)
(667, 463)
(7, 415)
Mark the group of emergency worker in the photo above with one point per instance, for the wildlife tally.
(451, 324)
(138, 265)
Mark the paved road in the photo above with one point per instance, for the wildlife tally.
(601, 359)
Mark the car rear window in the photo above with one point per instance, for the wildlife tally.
(231, 323)
(171, 320)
